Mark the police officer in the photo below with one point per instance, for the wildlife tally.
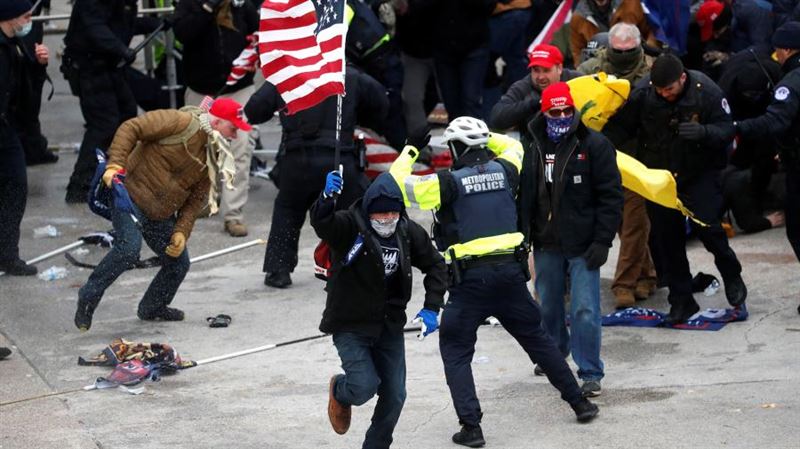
(682, 122)
(371, 48)
(307, 146)
(476, 228)
(782, 118)
(15, 22)
(97, 41)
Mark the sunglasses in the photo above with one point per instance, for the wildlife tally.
(555, 113)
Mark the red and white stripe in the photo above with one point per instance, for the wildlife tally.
(304, 67)
(245, 63)
(561, 16)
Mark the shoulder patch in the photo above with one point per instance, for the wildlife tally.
(782, 93)
(725, 106)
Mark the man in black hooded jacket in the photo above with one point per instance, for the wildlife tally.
(373, 247)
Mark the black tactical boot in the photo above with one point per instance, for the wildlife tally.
(470, 436)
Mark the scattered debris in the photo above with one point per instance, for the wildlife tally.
(53, 273)
(48, 231)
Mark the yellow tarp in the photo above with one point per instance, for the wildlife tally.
(598, 97)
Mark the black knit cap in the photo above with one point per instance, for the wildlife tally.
(11, 9)
(384, 204)
(666, 69)
(787, 36)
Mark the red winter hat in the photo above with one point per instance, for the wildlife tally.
(545, 56)
(230, 110)
(705, 17)
(556, 95)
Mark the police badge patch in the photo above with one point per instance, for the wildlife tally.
(725, 106)
(782, 93)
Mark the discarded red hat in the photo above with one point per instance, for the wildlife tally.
(545, 55)
(556, 95)
(705, 17)
(230, 110)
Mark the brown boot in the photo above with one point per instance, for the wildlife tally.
(644, 288)
(236, 228)
(338, 414)
(624, 297)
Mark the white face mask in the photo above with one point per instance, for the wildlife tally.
(23, 30)
(384, 227)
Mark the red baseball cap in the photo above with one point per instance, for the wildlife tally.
(705, 17)
(556, 95)
(230, 110)
(545, 55)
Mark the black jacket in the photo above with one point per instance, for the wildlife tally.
(463, 26)
(210, 49)
(11, 61)
(654, 122)
(365, 103)
(520, 104)
(414, 30)
(585, 205)
(357, 294)
(782, 118)
(752, 25)
(100, 31)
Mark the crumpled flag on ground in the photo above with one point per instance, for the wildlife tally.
(135, 362)
(705, 320)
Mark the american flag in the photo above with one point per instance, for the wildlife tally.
(245, 63)
(301, 44)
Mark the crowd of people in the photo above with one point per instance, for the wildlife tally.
(722, 115)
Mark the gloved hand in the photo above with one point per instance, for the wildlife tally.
(429, 320)
(691, 130)
(419, 141)
(211, 5)
(167, 22)
(128, 58)
(108, 175)
(333, 184)
(595, 256)
(176, 245)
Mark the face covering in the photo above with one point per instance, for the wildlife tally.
(624, 61)
(557, 127)
(23, 30)
(384, 228)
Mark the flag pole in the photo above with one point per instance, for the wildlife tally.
(337, 152)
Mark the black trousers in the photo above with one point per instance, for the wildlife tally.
(106, 101)
(703, 196)
(13, 192)
(302, 179)
(793, 209)
(501, 291)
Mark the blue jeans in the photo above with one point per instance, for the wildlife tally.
(461, 82)
(498, 290)
(373, 365)
(124, 254)
(583, 339)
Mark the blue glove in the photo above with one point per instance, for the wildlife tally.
(429, 320)
(333, 184)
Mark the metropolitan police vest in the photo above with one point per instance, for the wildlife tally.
(485, 206)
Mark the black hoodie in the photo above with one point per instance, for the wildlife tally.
(358, 298)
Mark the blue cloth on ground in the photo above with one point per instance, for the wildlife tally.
(705, 320)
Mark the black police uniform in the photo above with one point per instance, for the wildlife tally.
(366, 48)
(13, 177)
(491, 285)
(696, 165)
(96, 42)
(307, 155)
(782, 118)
